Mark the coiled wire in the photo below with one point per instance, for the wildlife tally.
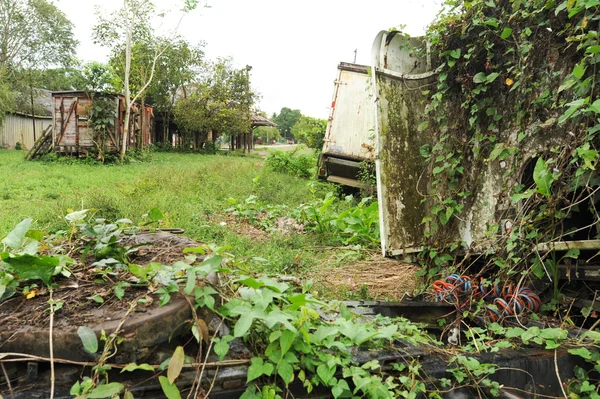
(508, 301)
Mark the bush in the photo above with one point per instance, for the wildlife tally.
(293, 163)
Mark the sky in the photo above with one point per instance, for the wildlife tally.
(294, 47)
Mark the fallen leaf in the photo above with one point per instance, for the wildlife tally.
(509, 82)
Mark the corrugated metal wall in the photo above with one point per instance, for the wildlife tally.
(19, 129)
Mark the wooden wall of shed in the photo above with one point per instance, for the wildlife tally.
(73, 134)
(18, 128)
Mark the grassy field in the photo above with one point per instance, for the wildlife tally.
(191, 190)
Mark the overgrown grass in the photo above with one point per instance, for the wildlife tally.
(191, 190)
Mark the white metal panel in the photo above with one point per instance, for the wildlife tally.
(351, 128)
(18, 128)
(398, 76)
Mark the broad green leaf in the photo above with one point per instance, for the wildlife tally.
(15, 238)
(325, 372)
(221, 346)
(285, 371)
(583, 352)
(259, 368)
(506, 32)
(286, 340)
(30, 267)
(134, 367)
(169, 389)
(455, 53)
(155, 215)
(521, 196)
(572, 253)
(251, 393)
(422, 126)
(542, 177)
(88, 339)
(514, 332)
(243, 324)
(176, 364)
(340, 387)
(209, 265)
(492, 76)
(480, 78)
(579, 71)
(105, 391)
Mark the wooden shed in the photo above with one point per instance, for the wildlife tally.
(73, 133)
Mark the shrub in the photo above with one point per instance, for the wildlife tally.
(292, 162)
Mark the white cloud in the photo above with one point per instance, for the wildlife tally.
(293, 46)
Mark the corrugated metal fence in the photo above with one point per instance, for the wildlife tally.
(18, 128)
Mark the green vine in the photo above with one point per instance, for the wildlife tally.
(516, 92)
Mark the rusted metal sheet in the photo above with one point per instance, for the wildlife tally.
(18, 128)
(398, 78)
(74, 134)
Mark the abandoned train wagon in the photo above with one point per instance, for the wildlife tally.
(400, 73)
(74, 132)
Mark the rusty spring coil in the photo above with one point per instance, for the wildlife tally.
(508, 300)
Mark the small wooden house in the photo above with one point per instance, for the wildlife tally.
(74, 134)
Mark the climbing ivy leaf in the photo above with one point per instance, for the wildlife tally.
(506, 33)
(542, 177)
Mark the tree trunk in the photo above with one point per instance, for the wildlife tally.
(128, 34)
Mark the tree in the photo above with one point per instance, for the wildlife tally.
(33, 35)
(124, 28)
(220, 101)
(177, 66)
(34, 32)
(286, 119)
(310, 131)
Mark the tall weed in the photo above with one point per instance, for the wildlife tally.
(292, 162)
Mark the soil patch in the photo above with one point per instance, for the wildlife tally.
(88, 296)
(377, 278)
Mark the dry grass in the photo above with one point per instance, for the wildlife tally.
(377, 278)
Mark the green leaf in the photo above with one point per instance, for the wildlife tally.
(243, 324)
(521, 196)
(30, 267)
(572, 253)
(325, 372)
(285, 371)
(492, 76)
(155, 215)
(480, 78)
(209, 265)
(506, 32)
(579, 71)
(176, 364)
(106, 390)
(455, 53)
(542, 177)
(15, 238)
(583, 352)
(422, 126)
(286, 341)
(221, 346)
(169, 389)
(340, 388)
(514, 332)
(259, 368)
(134, 367)
(88, 339)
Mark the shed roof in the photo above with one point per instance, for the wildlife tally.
(259, 120)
